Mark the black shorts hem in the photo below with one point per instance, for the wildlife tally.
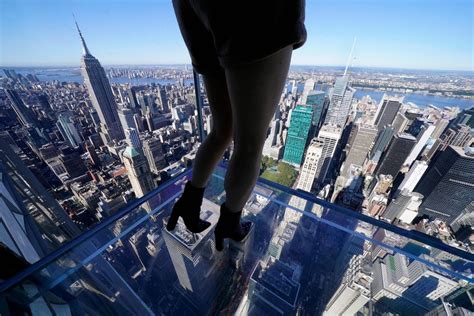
(234, 61)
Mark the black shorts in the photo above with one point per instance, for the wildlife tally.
(225, 33)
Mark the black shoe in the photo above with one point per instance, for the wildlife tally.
(229, 226)
(189, 207)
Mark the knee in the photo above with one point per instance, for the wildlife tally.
(248, 150)
(222, 136)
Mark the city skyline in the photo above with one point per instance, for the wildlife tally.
(423, 41)
(361, 205)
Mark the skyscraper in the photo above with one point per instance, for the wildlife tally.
(404, 207)
(400, 123)
(25, 115)
(70, 158)
(38, 215)
(448, 184)
(460, 135)
(354, 291)
(329, 136)
(355, 272)
(153, 150)
(308, 87)
(68, 129)
(297, 137)
(17, 225)
(132, 96)
(359, 148)
(340, 102)
(317, 100)
(383, 139)
(387, 110)
(101, 95)
(163, 100)
(421, 141)
(413, 176)
(273, 146)
(133, 138)
(126, 118)
(440, 127)
(273, 289)
(396, 153)
(310, 165)
(193, 256)
(138, 172)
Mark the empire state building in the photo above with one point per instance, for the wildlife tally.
(101, 95)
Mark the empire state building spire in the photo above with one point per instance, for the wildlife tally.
(85, 50)
(101, 95)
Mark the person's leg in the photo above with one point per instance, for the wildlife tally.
(212, 149)
(254, 92)
(209, 153)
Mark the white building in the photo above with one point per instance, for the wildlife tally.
(310, 165)
(413, 176)
(308, 87)
(329, 136)
(421, 142)
(340, 102)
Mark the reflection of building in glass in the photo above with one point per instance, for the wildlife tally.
(408, 286)
(195, 259)
(29, 207)
(274, 288)
(354, 291)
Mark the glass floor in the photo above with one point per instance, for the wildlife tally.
(303, 257)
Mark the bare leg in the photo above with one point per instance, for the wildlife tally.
(254, 92)
(211, 150)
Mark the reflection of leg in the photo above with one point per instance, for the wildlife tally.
(211, 150)
(254, 92)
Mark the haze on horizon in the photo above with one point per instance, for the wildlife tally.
(418, 34)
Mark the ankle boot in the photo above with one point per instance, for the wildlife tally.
(189, 207)
(229, 226)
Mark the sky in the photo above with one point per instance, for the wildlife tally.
(417, 34)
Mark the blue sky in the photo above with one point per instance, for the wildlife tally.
(420, 34)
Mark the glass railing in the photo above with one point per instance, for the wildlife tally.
(304, 256)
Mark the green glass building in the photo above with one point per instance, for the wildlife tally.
(297, 137)
(316, 99)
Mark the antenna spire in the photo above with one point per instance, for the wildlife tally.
(349, 60)
(85, 50)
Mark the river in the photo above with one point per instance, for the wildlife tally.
(74, 75)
